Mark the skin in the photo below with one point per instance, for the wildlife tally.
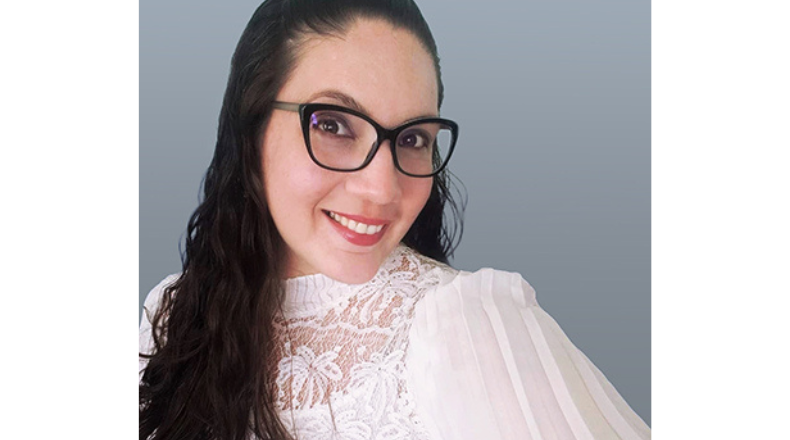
(385, 73)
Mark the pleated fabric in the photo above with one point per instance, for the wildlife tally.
(425, 351)
(486, 362)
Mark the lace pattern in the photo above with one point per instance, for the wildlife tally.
(342, 349)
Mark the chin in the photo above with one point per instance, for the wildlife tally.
(358, 275)
(354, 268)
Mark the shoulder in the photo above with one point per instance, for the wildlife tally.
(495, 284)
(471, 287)
(485, 299)
(485, 286)
(485, 281)
(154, 296)
(484, 340)
(150, 306)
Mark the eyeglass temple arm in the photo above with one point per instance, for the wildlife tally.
(288, 106)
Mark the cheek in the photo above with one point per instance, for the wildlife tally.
(280, 176)
(293, 183)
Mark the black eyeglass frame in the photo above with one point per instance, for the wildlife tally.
(383, 134)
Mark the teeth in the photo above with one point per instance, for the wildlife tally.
(359, 228)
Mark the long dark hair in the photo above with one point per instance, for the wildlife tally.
(213, 336)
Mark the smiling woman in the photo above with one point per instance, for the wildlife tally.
(303, 197)
(315, 299)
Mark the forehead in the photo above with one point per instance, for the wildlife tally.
(383, 68)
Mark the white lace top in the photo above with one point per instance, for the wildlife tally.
(423, 351)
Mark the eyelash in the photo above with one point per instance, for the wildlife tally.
(422, 136)
(342, 124)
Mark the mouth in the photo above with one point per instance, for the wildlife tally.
(356, 226)
(358, 230)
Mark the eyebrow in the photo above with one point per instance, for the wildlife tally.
(352, 103)
(347, 100)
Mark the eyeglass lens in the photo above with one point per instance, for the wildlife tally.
(343, 141)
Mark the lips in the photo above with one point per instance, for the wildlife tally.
(358, 230)
(358, 227)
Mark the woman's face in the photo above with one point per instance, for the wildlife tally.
(385, 73)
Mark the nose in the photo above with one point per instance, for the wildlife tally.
(379, 182)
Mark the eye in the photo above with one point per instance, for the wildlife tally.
(414, 139)
(331, 124)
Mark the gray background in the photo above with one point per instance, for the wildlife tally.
(553, 100)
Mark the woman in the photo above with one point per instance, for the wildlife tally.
(315, 300)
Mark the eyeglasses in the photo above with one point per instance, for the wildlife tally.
(345, 140)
